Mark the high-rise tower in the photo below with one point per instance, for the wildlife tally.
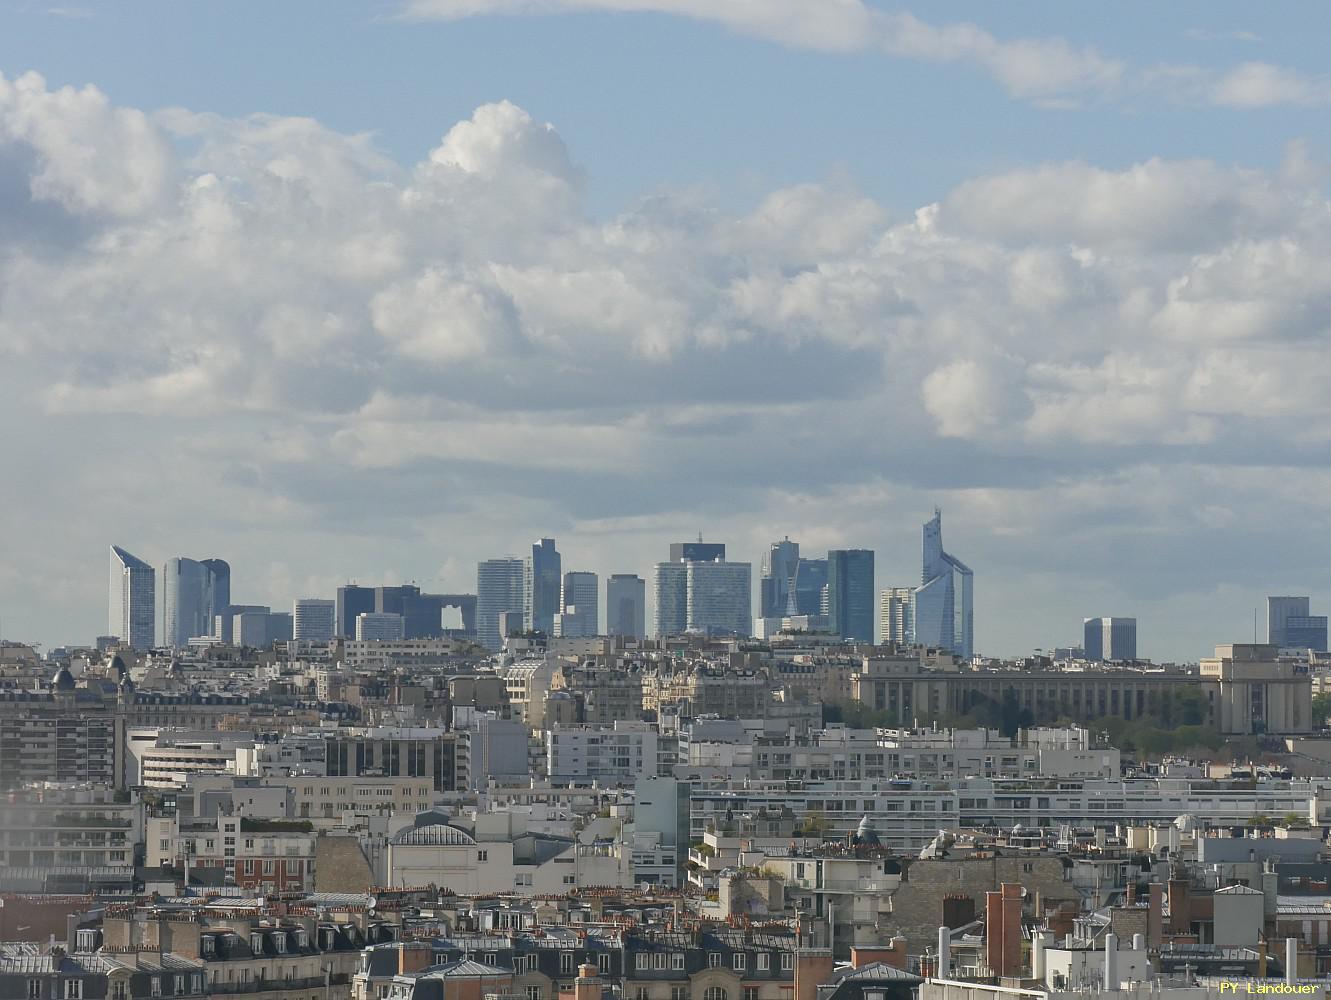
(944, 604)
(541, 585)
(132, 600)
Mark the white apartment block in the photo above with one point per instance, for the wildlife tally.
(617, 754)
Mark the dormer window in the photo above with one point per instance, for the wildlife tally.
(280, 942)
(256, 943)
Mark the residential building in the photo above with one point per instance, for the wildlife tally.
(626, 605)
(73, 747)
(376, 626)
(1113, 639)
(393, 752)
(542, 573)
(896, 616)
(69, 825)
(313, 619)
(609, 755)
(499, 590)
(850, 593)
(132, 604)
(944, 603)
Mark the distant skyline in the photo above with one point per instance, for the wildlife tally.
(380, 290)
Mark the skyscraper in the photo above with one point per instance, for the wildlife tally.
(1109, 639)
(626, 605)
(670, 595)
(944, 604)
(1279, 610)
(896, 616)
(811, 587)
(541, 585)
(777, 589)
(313, 619)
(850, 593)
(187, 602)
(698, 551)
(380, 627)
(499, 590)
(352, 602)
(1306, 632)
(579, 604)
(132, 600)
(719, 597)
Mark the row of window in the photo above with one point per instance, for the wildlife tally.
(73, 988)
(739, 961)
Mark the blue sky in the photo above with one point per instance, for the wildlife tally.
(376, 290)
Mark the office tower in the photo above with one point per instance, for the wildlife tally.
(698, 551)
(776, 598)
(224, 623)
(540, 595)
(259, 627)
(670, 593)
(719, 598)
(185, 609)
(132, 601)
(944, 611)
(896, 616)
(850, 593)
(1306, 632)
(313, 619)
(811, 587)
(380, 627)
(194, 593)
(1109, 639)
(352, 602)
(580, 600)
(499, 590)
(1278, 612)
(626, 605)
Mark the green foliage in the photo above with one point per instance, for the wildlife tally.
(1321, 709)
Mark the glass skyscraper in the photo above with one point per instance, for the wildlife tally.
(626, 605)
(944, 604)
(194, 593)
(850, 594)
(780, 563)
(499, 590)
(132, 600)
(543, 578)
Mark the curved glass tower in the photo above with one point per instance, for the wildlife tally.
(944, 609)
(132, 601)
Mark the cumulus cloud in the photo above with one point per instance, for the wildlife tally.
(1263, 85)
(257, 336)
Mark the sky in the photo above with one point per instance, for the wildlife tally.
(374, 290)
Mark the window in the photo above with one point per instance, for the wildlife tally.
(659, 960)
(787, 961)
(180, 985)
(156, 986)
(679, 993)
(196, 983)
(280, 943)
(565, 962)
(268, 866)
(118, 990)
(570, 879)
(763, 961)
(1027, 867)
(739, 961)
(533, 993)
(751, 993)
(482, 856)
(677, 961)
(73, 989)
(714, 993)
(603, 962)
(491, 958)
(640, 993)
(34, 989)
(713, 960)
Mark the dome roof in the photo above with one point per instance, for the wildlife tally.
(435, 835)
(63, 680)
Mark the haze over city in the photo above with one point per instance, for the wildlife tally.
(374, 292)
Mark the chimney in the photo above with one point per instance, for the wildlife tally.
(813, 967)
(1012, 897)
(1180, 906)
(1139, 942)
(1037, 955)
(993, 931)
(1130, 898)
(588, 984)
(894, 955)
(944, 952)
(1111, 962)
(413, 956)
(1155, 915)
(958, 910)
(1291, 960)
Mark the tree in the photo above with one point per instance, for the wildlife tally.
(1321, 709)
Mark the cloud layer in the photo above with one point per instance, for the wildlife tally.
(261, 339)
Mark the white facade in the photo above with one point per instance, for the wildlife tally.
(617, 755)
(896, 616)
(380, 626)
(313, 619)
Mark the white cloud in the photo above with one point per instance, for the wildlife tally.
(1262, 85)
(273, 340)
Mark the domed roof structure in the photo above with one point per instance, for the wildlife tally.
(63, 680)
(118, 666)
(864, 834)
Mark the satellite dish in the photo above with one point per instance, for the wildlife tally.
(372, 903)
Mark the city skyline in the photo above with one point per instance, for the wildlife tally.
(1073, 267)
